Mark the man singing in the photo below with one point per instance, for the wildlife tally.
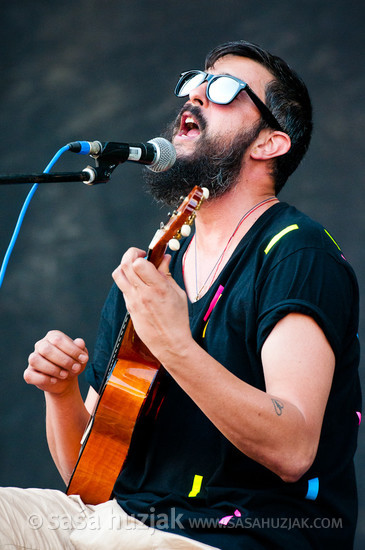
(251, 445)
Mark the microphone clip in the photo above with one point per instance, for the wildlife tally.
(101, 172)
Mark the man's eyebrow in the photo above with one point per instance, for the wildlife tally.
(232, 75)
(223, 74)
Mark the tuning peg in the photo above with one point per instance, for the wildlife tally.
(174, 244)
(205, 192)
(185, 230)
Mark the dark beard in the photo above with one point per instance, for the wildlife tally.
(213, 165)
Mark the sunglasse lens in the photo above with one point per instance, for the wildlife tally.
(223, 89)
(188, 83)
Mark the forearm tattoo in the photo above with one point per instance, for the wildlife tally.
(278, 406)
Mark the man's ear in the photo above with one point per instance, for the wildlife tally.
(270, 144)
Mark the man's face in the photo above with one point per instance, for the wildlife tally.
(224, 122)
(211, 140)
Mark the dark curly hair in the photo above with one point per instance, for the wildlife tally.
(286, 96)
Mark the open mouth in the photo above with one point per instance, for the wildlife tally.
(189, 126)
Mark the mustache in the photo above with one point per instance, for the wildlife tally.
(197, 114)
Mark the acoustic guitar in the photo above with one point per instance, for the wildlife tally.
(128, 381)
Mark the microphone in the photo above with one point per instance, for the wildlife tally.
(157, 154)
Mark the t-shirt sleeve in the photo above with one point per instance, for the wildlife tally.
(309, 281)
(111, 320)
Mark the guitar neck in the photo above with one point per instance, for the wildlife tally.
(114, 354)
(157, 258)
(183, 215)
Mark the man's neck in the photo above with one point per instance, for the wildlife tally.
(218, 218)
(220, 225)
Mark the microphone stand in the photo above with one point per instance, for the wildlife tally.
(44, 178)
(90, 175)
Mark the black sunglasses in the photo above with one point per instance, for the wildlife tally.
(222, 89)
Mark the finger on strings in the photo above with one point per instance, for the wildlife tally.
(164, 266)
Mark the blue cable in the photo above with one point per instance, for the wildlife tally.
(84, 151)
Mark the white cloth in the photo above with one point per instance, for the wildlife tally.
(45, 519)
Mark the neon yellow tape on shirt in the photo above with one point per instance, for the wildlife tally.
(197, 483)
(332, 239)
(277, 237)
(205, 328)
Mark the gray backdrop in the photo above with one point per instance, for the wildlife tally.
(106, 70)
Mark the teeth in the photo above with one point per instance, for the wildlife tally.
(189, 120)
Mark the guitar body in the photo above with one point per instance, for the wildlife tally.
(129, 378)
(112, 425)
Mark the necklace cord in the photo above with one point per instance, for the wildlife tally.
(217, 264)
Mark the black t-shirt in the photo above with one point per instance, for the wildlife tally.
(181, 473)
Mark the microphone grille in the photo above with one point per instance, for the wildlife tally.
(165, 155)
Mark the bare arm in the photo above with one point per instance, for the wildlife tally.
(278, 428)
(54, 367)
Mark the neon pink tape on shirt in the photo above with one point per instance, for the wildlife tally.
(227, 519)
(214, 301)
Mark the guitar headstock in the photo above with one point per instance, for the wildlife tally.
(178, 225)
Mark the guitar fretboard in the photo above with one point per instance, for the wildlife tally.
(114, 354)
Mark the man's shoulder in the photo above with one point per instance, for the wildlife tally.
(289, 230)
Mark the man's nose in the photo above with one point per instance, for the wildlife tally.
(198, 96)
